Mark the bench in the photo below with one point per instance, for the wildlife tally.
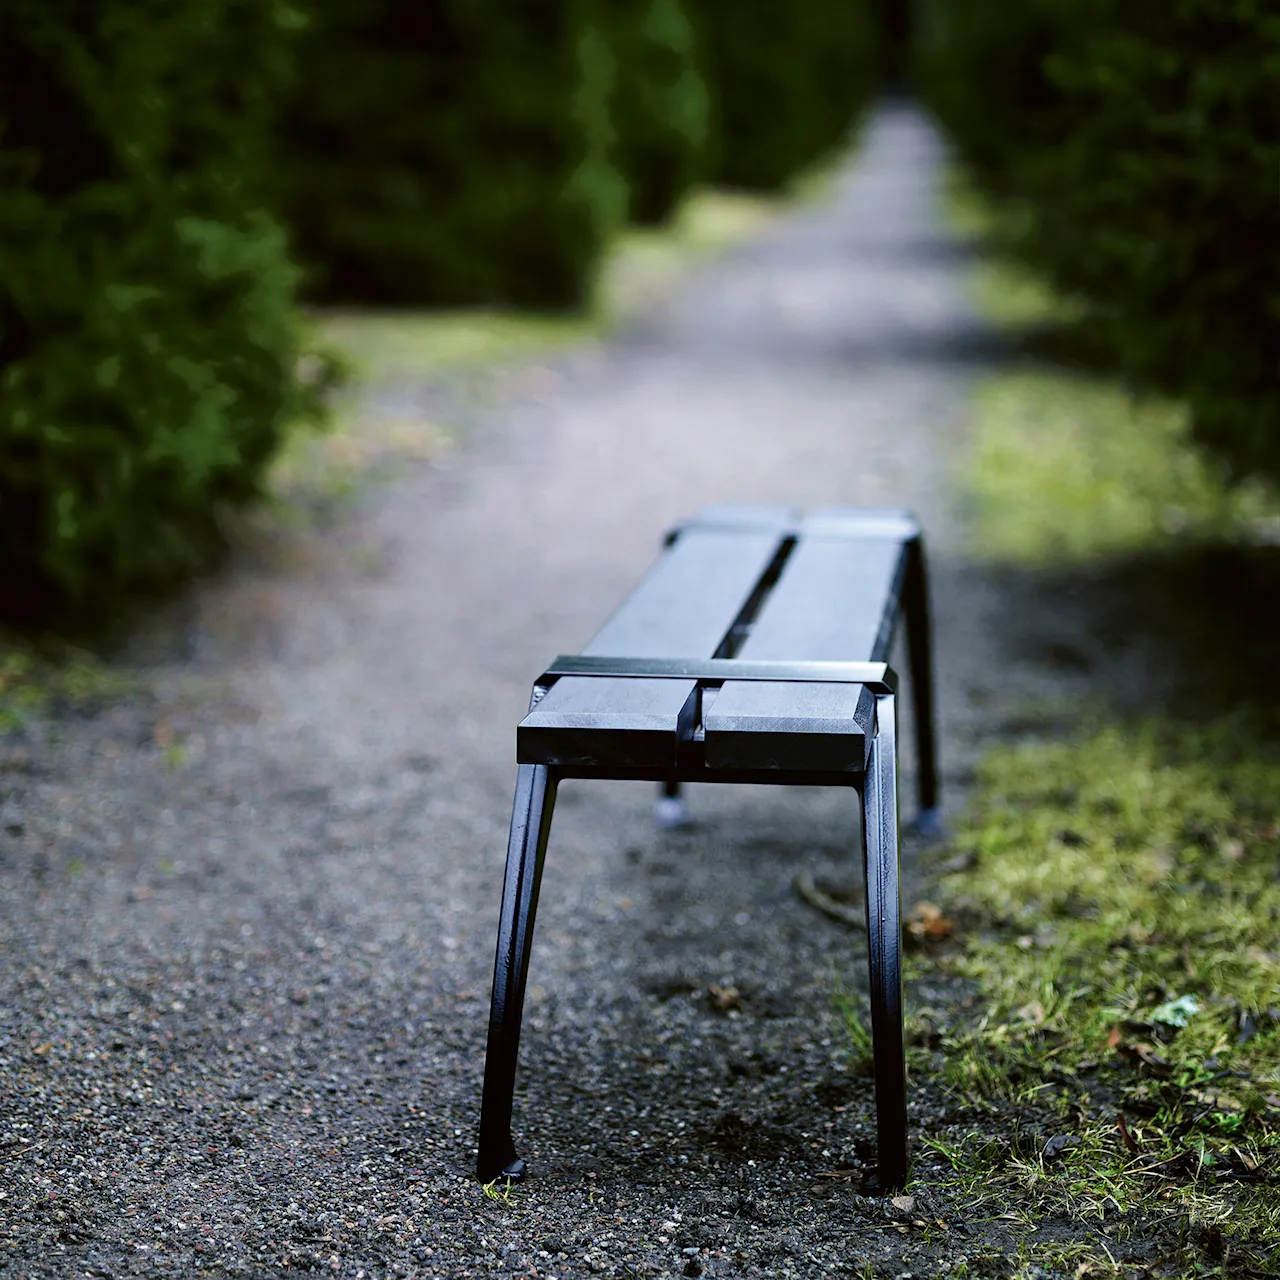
(755, 650)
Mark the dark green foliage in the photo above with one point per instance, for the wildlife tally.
(895, 26)
(451, 151)
(1144, 166)
(147, 335)
(981, 66)
(788, 79)
(660, 104)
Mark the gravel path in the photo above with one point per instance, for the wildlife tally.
(243, 992)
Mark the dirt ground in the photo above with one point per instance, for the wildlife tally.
(247, 919)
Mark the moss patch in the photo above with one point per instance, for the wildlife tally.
(1118, 911)
(1066, 467)
(34, 684)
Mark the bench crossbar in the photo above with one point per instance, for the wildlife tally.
(879, 677)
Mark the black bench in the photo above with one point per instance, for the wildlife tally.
(755, 650)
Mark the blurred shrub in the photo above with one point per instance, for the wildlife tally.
(147, 335)
(1140, 146)
(981, 65)
(660, 108)
(788, 79)
(451, 151)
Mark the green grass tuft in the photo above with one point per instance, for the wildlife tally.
(33, 684)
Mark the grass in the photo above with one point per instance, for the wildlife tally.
(1067, 467)
(35, 682)
(1120, 917)
(1109, 1092)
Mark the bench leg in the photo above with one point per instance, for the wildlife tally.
(920, 656)
(884, 946)
(669, 810)
(526, 849)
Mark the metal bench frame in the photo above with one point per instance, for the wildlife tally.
(545, 759)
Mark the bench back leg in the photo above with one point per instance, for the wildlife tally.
(884, 946)
(526, 850)
(920, 657)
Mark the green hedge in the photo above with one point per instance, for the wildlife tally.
(451, 151)
(981, 66)
(788, 79)
(148, 343)
(1146, 184)
(660, 109)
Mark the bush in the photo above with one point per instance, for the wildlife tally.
(981, 66)
(1144, 162)
(450, 152)
(788, 78)
(660, 107)
(148, 343)
(1161, 204)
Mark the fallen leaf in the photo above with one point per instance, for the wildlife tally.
(1140, 1049)
(1212, 1098)
(926, 923)
(1148, 1055)
(724, 998)
(1032, 1012)
(1129, 1140)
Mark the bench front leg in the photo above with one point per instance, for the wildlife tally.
(526, 849)
(884, 946)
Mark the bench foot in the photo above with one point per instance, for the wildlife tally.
(514, 1171)
(670, 812)
(928, 824)
(526, 850)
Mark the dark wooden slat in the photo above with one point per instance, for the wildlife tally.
(817, 728)
(837, 600)
(682, 609)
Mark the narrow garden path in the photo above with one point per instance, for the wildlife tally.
(247, 924)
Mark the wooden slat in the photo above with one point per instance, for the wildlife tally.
(837, 600)
(682, 609)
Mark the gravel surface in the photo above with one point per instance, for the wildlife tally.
(247, 920)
